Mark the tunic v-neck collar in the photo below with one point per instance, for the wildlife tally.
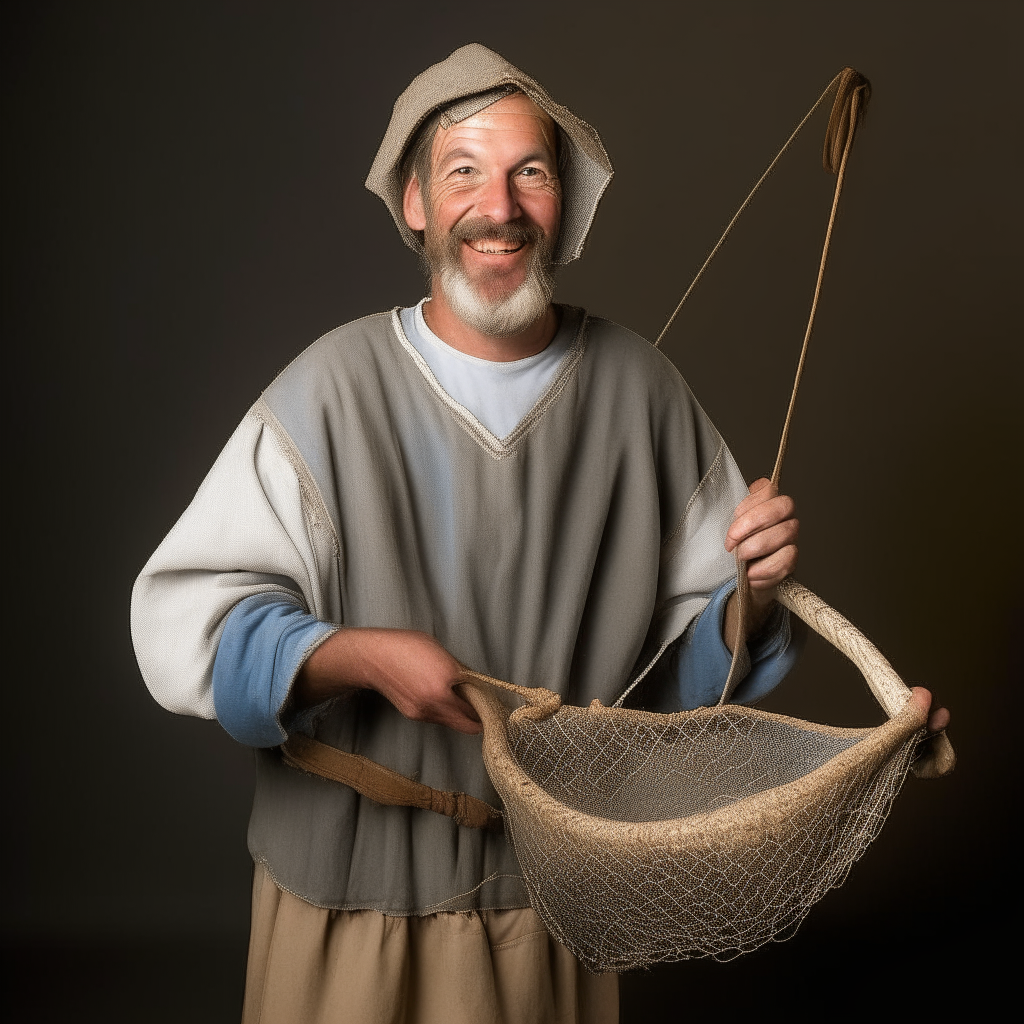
(487, 375)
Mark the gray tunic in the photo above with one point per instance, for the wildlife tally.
(566, 555)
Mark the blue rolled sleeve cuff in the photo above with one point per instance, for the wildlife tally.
(697, 665)
(267, 639)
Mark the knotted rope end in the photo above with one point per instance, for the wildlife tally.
(852, 94)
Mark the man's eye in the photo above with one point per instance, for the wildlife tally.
(530, 172)
(464, 170)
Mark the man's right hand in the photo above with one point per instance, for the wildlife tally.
(410, 669)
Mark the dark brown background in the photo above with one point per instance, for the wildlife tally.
(185, 213)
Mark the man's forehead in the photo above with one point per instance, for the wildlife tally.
(515, 115)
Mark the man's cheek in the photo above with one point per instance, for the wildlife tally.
(451, 200)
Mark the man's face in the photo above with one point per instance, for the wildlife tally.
(491, 213)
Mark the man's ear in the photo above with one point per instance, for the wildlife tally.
(412, 205)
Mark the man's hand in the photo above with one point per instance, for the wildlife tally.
(764, 533)
(938, 718)
(411, 669)
(765, 530)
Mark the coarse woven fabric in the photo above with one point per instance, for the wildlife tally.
(313, 966)
(480, 76)
(567, 554)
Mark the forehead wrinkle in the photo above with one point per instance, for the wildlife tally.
(489, 118)
(460, 152)
(495, 119)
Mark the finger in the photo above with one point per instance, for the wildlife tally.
(463, 725)
(442, 714)
(771, 571)
(752, 500)
(921, 697)
(760, 490)
(764, 513)
(454, 712)
(465, 708)
(770, 540)
(767, 514)
(938, 720)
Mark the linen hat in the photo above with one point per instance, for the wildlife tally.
(463, 84)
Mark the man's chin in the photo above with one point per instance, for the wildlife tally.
(499, 309)
(494, 293)
(496, 279)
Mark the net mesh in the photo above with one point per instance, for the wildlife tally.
(647, 838)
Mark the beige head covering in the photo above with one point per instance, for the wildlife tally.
(480, 77)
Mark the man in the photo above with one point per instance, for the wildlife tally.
(485, 479)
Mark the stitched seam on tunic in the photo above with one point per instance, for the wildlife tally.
(313, 502)
(497, 447)
(713, 470)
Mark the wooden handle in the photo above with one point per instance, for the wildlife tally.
(937, 757)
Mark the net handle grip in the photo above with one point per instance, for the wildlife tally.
(936, 756)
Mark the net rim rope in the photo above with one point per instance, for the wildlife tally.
(700, 851)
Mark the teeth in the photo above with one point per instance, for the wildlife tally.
(480, 247)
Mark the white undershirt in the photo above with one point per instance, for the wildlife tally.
(499, 395)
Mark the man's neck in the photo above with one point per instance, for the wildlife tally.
(452, 331)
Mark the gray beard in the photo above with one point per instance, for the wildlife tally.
(498, 318)
(505, 316)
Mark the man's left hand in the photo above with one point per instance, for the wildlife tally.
(764, 533)
(765, 530)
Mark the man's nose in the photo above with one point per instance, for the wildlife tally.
(497, 201)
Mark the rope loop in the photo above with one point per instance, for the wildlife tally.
(841, 123)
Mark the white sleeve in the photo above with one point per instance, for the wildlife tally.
(248, 530)
(694, 562)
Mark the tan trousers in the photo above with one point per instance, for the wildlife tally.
(313, 966)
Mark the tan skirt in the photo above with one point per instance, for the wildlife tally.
(313, 966)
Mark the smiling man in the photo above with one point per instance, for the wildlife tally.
(483, 479)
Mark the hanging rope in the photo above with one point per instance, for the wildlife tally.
(746, 203)
(851, 98)
(852, 93)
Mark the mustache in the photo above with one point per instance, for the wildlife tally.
(511, 234)
(513, 309)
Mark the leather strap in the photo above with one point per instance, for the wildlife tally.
(384, 786)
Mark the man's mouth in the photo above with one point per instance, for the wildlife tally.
(490, 247)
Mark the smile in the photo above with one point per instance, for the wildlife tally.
(493, 248)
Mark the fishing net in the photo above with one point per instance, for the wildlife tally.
(646, 837)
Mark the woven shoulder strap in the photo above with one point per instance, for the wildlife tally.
(383, 785)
